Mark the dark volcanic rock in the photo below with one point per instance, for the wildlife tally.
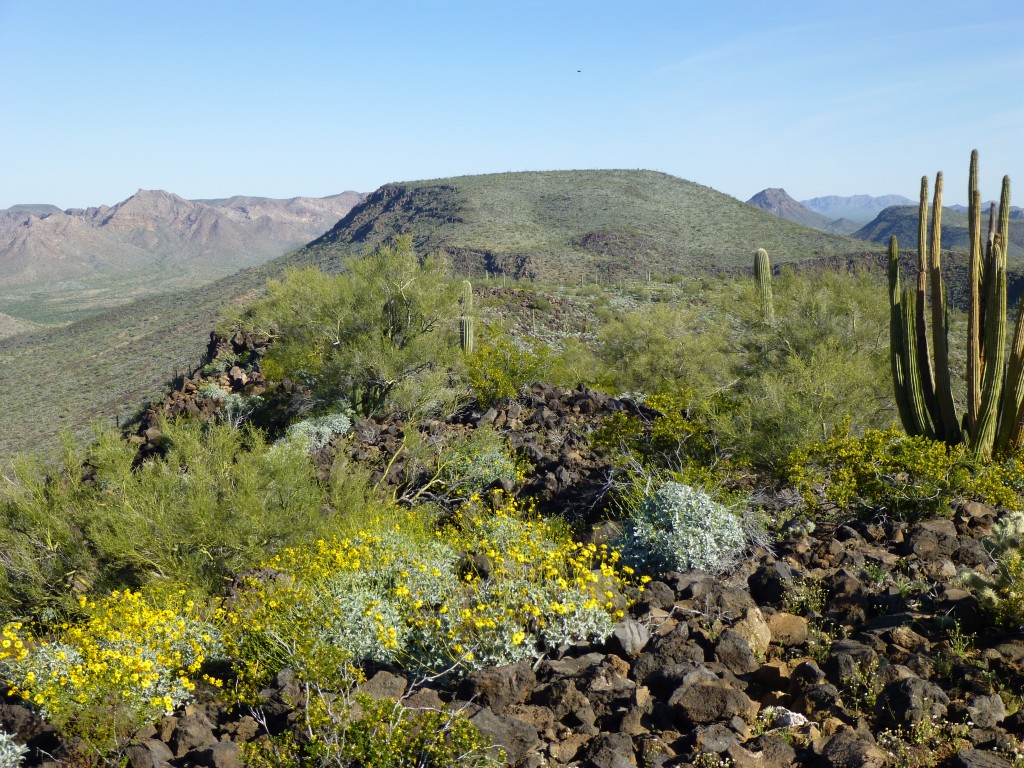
(705, 698)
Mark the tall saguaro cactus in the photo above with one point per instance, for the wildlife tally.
(763, 273)
(994, 420)
(466, 321)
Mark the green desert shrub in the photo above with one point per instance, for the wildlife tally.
(822, 361)
(679, 527)
(678, 437)
(214, 505)
(382, 335)
(503, 366)
(666, 348)
(761, 389)
(885, 472)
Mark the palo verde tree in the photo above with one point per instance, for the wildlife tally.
(383, 333)
(994, 419)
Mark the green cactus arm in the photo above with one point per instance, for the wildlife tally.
(920, 420)
(1004, 215)
(948, 423)
(924, 362)
(903, 353)
(974, 302)
(1012, 413)
(982, 441)
(466, 339)
(897, 344)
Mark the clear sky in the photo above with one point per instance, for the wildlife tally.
(210, 98)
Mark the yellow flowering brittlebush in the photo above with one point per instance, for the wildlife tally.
(128, 660)
(496, 585)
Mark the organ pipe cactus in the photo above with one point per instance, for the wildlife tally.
(994, 419)
(763, 273)
(466, 321)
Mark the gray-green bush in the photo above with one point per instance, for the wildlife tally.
(12, 754)
(678, 527)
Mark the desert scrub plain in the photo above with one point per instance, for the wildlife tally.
(387, 523)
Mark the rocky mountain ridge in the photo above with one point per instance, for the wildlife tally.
(154, 229)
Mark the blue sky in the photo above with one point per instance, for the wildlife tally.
(214, 98)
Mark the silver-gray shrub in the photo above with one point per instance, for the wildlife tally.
(12, 754)
(678, 527)
(318, 431)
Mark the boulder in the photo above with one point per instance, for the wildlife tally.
(500, 687)
(848, 748)
(705, 698)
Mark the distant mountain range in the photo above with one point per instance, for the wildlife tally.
(778, 203)
(857, 208)
(154, 241)
(839, 215)
(875, 219)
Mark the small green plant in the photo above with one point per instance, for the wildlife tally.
(961, 644)
(678, 527)
(861, 688)
(235, 408)
(711, 760)
(1003, 594)
(805, 596)
(350, 729)
(819, 642)
(476, 464)
(926, 742)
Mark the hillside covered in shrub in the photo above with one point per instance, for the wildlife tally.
(400, 518)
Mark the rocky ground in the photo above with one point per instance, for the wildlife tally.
(845, 645)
